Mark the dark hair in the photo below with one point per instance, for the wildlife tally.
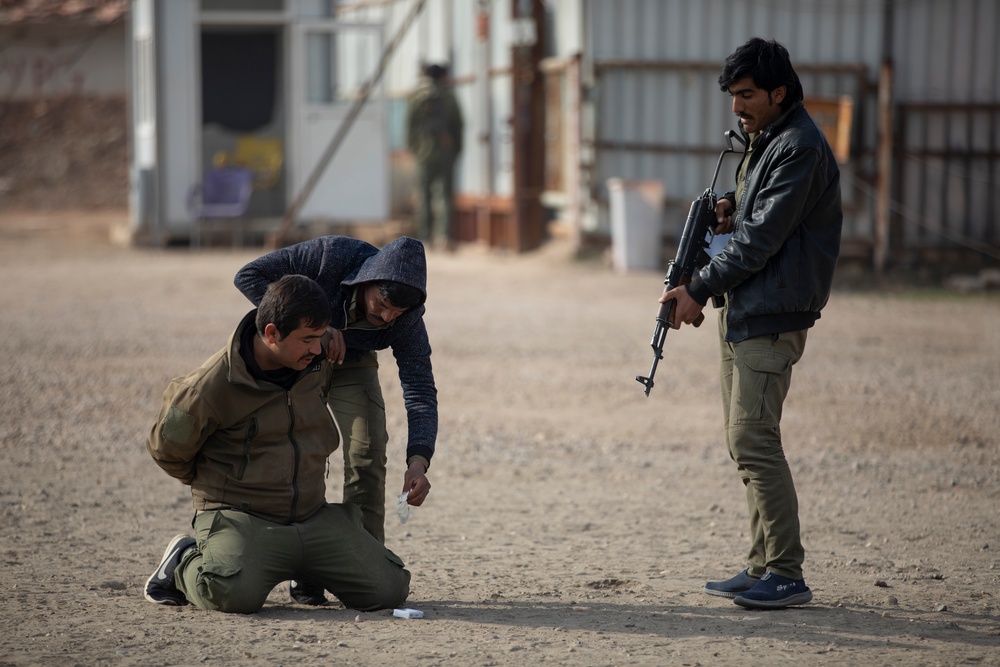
(768, 64)
(400, 295)
(292, 302)
(435, 71)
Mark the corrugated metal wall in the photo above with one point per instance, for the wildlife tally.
(947, 149)
(651, 107)
(660, 114)
(446, 32)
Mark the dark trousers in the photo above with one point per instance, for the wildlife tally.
(436, 175)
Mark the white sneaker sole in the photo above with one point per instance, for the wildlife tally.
(790, 601)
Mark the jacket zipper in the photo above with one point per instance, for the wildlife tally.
(251, 434)
(741, 205)
(295, 458)
(743, 198)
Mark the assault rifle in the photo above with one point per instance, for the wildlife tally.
(692, 254)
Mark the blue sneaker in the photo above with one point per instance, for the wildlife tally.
(730, 588)
(774, 591)
(160, 586)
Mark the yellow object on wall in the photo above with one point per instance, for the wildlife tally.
(264, 156)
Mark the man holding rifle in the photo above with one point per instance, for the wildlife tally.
(775, 274)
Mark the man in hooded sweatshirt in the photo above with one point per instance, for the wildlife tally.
(377, 301)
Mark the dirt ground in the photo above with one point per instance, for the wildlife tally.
(572, 520)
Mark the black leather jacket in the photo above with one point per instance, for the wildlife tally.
(777, 268)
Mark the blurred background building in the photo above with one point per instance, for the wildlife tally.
(559, 97)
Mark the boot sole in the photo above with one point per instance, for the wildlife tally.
(790, 601)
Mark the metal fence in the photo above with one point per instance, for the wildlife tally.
(658, 112)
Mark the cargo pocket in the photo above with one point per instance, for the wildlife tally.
(758, 375)
(394, 559)
(222, 582)
(221, 589)
(215, 570)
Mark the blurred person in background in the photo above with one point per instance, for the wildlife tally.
(434, 136)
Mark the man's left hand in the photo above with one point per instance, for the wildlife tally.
(686, 309)
(415, 481)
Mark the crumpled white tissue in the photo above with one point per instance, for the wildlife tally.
(402, 508)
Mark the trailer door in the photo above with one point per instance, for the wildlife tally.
(331, 63)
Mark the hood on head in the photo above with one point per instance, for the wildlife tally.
(402, 261)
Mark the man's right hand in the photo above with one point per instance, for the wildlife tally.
(336, 348)
(686, 310)
(724, 216)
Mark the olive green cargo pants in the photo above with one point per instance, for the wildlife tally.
(756, 375)
(239, 558)
(356, 400)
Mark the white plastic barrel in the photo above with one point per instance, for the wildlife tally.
(636, 215)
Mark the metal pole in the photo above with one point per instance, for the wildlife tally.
(880, 252)
(482, 213)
